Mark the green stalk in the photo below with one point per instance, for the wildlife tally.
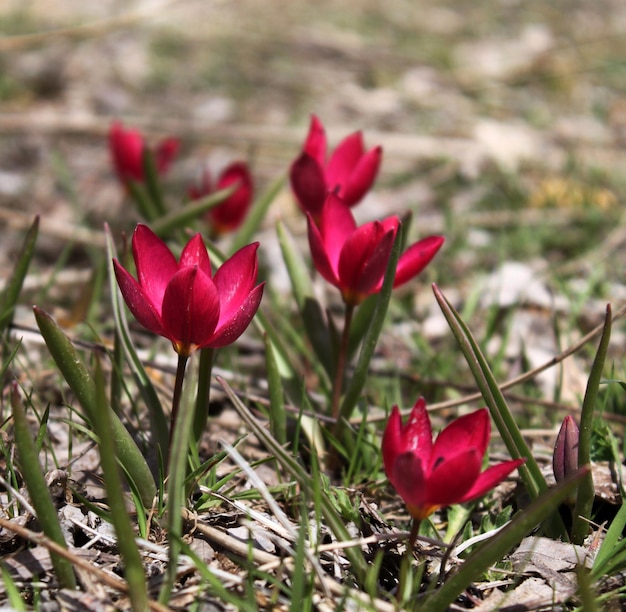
(586, 490)
(182, 425)
(11, 293)
(203, 398)
(498, 408)
(84, 388)
(38, 490)
(133, 567)
(278, 418)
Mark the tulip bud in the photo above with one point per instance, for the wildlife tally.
(565, 457)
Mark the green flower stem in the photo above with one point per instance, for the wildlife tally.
(182, 424)
(340, 372)
(82, 384)
(133, 567)
(204, 392)
(586, 489)
(38, 490)
(178, 392)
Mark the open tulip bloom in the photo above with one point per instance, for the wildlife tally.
(354, 258)
(350, 172)
(127, 151)
(230, 214)
(182, 300)
(430, 475)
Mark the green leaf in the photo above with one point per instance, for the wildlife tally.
(11, 293)
(38, 490)
(586, 491)
(83, 386)
(498, 408)
(133, 566)
(278, 416)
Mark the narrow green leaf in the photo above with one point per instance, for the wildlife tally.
(612, 545)
(11, 293)
(38, 490)
(203, 397)
(278, 418)
(158, 422)
(83, 386)
(152, 182)
(12, 592)
(498, 408)
(191, 211)
(494, 549)
(257, 214)
(312, 315)
(133, 566)
(586, 490)
(144, 203)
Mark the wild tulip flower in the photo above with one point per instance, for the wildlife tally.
(354, 259)
(349, 172)
(430, 475)
(565, 457)
(127, 150)
(230, 214)
(182, 300)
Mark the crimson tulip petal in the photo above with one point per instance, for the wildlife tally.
(409, 478)
(417, 433)
(229, 215)
(490, 478)
(229, 330)
(136, 300)
(308, 184)
(235, 279)
(470, 431)
(195, 254)
(315, 144)
(362, 177)
(343, 161)
(191, 309)
(319, 255)
(416, 258)
(452, 477)
(392, 444)
(126, 147)
(363, 259)
(155, 264)
(336, 226)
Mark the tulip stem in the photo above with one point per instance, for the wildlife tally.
(178, 391)
(341, 370)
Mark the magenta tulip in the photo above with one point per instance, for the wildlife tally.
(350, 172)
(428, 475)
(230, 214)
(127, 150)
(565, 457)
(354, 259)
(182, 300)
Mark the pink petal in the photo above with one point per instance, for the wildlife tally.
(308, 184)
(363, 259)
(343, 161)
(202, 188)
(229, 330)
(362, 177)
(235, 280)
(321, 261)
(230, 214)
(191, 308)
(165, 154)
(409, 480)
(417, 435)
(416, 258)
(155, 264)
(126, 147)
(490, 478)
(452, 477)
(392, 443)
(468, 432)
(336, 225)
(315, 144)
(195, 254)
(137, 302)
